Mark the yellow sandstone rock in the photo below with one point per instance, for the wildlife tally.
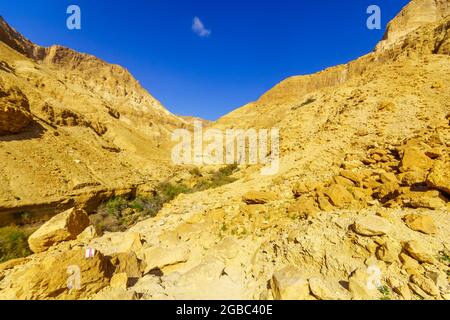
(259, 197)
(119, 281)
(418, 251)
(63, 227)
(339, 196)
(439, 176)
(421, 223)
(289, 284)
(371, 226)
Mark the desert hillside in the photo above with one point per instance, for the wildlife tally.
(74, 129)
(359, 209)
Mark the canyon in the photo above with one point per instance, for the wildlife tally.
(359, 208)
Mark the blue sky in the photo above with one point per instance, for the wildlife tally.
(244, 48)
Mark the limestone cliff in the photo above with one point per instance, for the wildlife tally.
(434, 37)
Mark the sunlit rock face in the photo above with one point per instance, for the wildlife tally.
(417, 13)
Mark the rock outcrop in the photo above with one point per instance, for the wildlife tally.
(439, 176)
(289, 284)
(14, 110)
(62, 227)
(61, 275)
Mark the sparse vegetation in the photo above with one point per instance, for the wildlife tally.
(169, 191)
(119, 213)
(13, 243)
(224, 227)
(115, 206)
(217, 179)
(444, 258)
(196, 172)
(138, 204)
(384, 290)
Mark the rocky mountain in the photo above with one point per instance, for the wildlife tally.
(275, 104)
(359, 209)
(63, 116)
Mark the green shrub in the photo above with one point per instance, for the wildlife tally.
(116, 205)
(169, 191)
(384, 290)
(444, 258)
(138, 204)
(228, 170)
(218, 178)
(112, 216)
(13, 243)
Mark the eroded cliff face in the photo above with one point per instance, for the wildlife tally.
(16, 41)
(14, 109)
(433, 37)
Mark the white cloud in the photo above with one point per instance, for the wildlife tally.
(199, 28)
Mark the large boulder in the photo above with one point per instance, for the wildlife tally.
(421, 223)
(128, 263)
(115, 243)
(388, 251)
(305, 207)
(60, 275)
(62, 227)
(410, 265)
(211, 280)
(119, 281)
(439, 176)
(418, 251)
(301, 188)
(352, 176)
(327, 290)
(371, 226)
(425, 284)
(289, 284)
(339, 196)
(430, 200)
(415, 160)
(159, 257)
